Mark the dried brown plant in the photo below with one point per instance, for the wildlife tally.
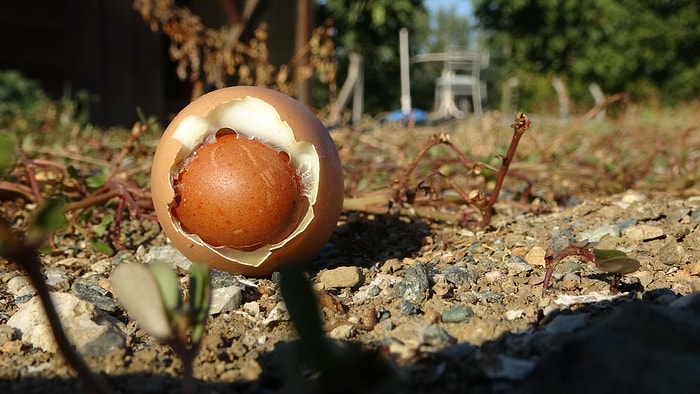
(217, 57)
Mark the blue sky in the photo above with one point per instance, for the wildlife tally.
(463, 7)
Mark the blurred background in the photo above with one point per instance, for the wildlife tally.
(110, 57)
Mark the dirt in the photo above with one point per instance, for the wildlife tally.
(629, 173)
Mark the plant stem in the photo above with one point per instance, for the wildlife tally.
(522, 123)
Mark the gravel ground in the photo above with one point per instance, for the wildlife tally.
(414, 304)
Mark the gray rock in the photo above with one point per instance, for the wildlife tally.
(517, 265)
(167, 254)
(561, 239)
(407, 308)
(414, 286)
(342, 277)
(457, 314)
(225, 299)
(57, 279)
(435, 335)
(460, 275)
(598, 233)
(87, 289)
(91, 331)
(222, 279)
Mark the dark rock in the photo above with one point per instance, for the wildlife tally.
(86, 288)
(435, 335)
(407, 308)
(414, 286)
(637, 349)
(460, 275)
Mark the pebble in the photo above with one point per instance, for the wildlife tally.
(457, 314)
(345, 331)
(598, 233)
(645, 277)
(644, 232)
(277, 314)
(88, 289)
(20, 287)
(673, 253)
(460, 275)
(381, 283)
(414, 286)
(517, 265)
(407, 308)
(57, 279)
(222, 279)
(693, 268)
(693, 202)
(535, 257)
(493, 276)
(569, 281)
(514, 314)
(252, 308)
(342, 277)
(168, 254)
(435, 335)
(225, 299)
(91, 331)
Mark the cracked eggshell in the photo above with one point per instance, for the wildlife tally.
(302, 245)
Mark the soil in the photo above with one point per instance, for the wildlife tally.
(483, 324)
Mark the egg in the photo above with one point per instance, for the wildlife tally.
(247, 180)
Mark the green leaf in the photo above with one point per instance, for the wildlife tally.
(102, 247)
(73, 172)
(49, 218)
(200, 298)
(605, 254)
(8, 152)
(619, 265)
(98, 180)
(136, 288)
(169, 285)
(101, 228)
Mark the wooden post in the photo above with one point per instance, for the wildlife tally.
(352, 85)
(599, 97)
(405, 74)
(563, 97)
(303, 34)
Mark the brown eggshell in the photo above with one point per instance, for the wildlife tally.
(306, 127)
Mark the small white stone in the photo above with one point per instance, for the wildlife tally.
(252, 308)
(644, 232)
(20, 286)
(345, 331)
(514, 314)
(225, 299)
(277, 314)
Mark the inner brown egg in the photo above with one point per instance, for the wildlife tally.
(240, 193)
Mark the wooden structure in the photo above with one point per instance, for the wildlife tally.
(461, 76)
(105, 48)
